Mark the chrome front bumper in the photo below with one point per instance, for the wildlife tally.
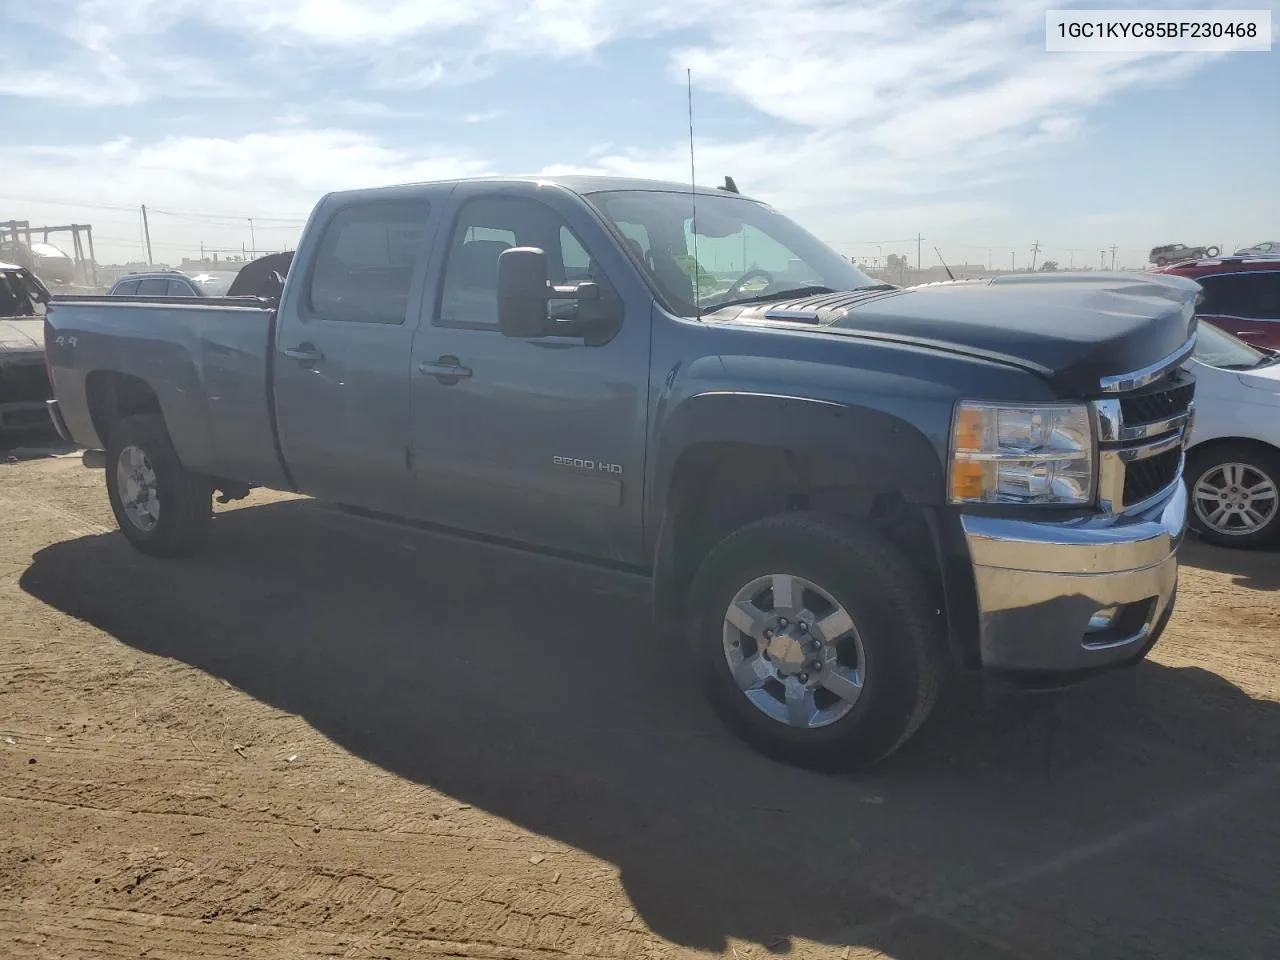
(1046, 589)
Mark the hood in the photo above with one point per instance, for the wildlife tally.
(1264, 378)
(22, 336)
(1073, 329)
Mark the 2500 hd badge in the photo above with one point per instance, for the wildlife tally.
(615, 468)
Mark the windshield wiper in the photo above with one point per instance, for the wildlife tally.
(1268, 360)
(809, 290)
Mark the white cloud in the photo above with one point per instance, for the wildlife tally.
(272, 177)
(867, 106)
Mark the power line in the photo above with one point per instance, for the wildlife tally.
(227, 217)
(98, 205)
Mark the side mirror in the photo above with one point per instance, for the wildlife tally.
(524, 294)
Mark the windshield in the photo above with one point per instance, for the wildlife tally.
(1217, 348)
(744, 249)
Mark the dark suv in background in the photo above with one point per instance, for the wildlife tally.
(1177, 252)
(171, 283)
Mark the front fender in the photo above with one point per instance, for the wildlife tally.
(828, 443)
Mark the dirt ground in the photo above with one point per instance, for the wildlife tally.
(323, 739)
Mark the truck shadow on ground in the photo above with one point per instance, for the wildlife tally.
(1135, 815)
(1251, 569)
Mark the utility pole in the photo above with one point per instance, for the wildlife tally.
(1102, 259)
(919, 240)
(1113, 256)
(989, 268)
(1035, 252)
(253, 243)
(146, 233)
(1013, 261)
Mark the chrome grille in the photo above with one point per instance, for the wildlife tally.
(1157, 403)
(1142, 434)
(1145, 478)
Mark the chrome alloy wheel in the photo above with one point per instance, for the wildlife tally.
(137, 486)
(1235, 499)
(794, 651)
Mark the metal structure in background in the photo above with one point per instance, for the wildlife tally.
(19, 233)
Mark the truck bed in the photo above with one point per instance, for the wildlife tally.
(207, 361)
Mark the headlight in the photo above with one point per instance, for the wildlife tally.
(1038, 453)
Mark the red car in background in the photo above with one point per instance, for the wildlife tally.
(1241, 295)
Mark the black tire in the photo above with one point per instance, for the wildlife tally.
(1161, 261)
(184, 498)
(894, 613)
(1203, 462)
(1212, 251)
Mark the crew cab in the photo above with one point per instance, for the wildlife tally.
(842, 490)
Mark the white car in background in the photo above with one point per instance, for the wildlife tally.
(1268, 248)
(1233, 463)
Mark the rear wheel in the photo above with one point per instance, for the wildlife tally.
(161, 506)
(817, 640)
(1235, 494)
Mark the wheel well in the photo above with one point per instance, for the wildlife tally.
(1217, 443)
(114, 396)
(718, 488)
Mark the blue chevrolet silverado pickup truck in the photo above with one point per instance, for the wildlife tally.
(843, 491)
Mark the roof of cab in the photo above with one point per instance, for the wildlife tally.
(578, 183)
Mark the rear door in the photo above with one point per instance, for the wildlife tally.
(1246, 305)
(343, 344)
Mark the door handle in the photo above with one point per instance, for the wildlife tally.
(447, 369)
(303, 353)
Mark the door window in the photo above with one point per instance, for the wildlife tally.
(180, 288)
(366, 262)
(125, 288)
(486, 227)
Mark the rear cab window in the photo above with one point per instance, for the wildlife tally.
(366, 261)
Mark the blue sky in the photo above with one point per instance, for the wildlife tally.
(866, 121)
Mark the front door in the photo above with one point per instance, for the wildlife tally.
(536, 440)
(342, 354)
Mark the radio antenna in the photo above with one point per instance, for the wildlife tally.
(944, 263)
(693, 194)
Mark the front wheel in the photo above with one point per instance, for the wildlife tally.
(1235, 494)
(817, 641)
(161, 506)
